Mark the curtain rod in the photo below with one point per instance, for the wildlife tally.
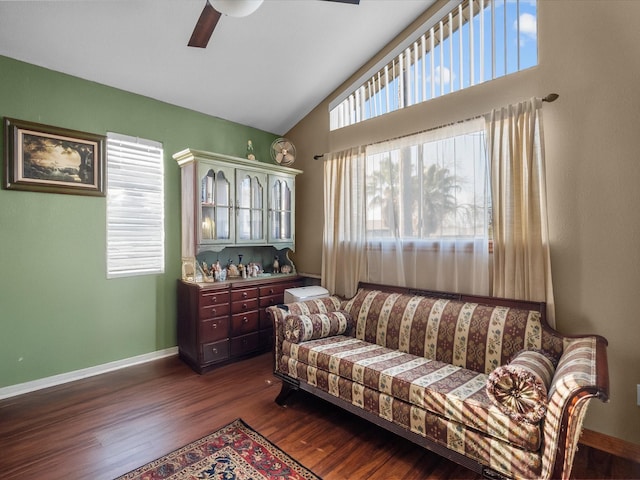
(552, 97)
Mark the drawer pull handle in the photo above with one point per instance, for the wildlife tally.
(214, 325)
(213, 312)
(245, 320)
(244, 295)
(214, 350)
(271, 291)
(244, 306)
(213, 299)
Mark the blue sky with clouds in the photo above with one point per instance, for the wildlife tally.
(504, 41)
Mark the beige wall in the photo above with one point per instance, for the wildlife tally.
(589, 53)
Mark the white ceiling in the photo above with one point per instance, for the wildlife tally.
(267, 70)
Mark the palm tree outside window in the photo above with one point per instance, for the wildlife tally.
(427, 206)
(427, 191)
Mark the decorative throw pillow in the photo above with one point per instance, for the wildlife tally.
(300, 328)
(519, 389)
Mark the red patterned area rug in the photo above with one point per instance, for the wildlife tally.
(235, 452)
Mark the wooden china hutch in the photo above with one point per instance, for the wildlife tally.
(235, 212)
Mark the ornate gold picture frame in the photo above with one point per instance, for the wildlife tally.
(43, 158)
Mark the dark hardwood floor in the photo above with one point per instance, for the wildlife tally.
(107, 425)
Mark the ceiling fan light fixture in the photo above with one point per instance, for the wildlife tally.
(236, 8)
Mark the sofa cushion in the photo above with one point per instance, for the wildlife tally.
(519, 389)
(316, 305)
(300, 328)
(513, 460)
(469, 335)
(446, 390)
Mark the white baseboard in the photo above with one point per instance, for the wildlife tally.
(22, 388)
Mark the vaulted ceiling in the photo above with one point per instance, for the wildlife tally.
(267, 70)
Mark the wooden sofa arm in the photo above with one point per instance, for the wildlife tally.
(582, 374)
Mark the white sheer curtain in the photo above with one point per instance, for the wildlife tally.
(521, 258)
(344, 228)
(427, 208)
(410, 212)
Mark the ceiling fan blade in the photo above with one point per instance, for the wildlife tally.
(205, 26)
(352, 2)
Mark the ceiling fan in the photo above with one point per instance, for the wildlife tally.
(214, 9)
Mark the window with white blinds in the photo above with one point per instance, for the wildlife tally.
(135, 206)
(466, 43)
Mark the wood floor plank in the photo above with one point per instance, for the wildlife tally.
(104, 426)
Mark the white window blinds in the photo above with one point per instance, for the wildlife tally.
(474, 42)
(135, 206)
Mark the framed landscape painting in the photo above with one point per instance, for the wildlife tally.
(43, 158)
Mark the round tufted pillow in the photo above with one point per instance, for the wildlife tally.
(519, 389)
(300, 328)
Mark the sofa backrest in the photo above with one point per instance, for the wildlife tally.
(470, 335)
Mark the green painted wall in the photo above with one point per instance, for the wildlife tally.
(58, 312)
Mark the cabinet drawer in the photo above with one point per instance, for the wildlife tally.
(212, 311)
(215, 352)
(244, 305)
(271, 300)
(274, 289)
(279, 288)
(214, 329)
(242, 323)
(245, 344)
(244, 294)
(213, 297)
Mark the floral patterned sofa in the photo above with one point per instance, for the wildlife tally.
(482, 381)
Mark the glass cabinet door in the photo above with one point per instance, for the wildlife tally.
(216, 212)
(250, 203)
(280, 209)
(231, 201)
